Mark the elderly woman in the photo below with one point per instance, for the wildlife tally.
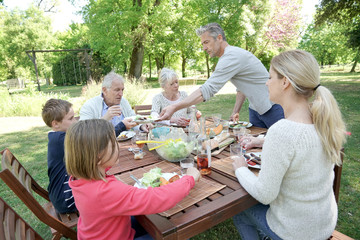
(169, 82)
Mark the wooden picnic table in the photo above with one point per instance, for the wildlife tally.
(199, 217)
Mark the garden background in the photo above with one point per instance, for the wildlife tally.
(137, 39)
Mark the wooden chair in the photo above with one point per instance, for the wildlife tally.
(12, 226)
(142, 109)
(337, 179)
(23, 185)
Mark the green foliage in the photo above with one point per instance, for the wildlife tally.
(21, 31)
(69, 70)
(27, 103)
(327, 43)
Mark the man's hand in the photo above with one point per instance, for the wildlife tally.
(234, 117)
(180, 121)
(167, 112)
(129, 123)
(146, 127)
(112, 111)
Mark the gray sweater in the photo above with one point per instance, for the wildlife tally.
(296, 180)
(247, 74)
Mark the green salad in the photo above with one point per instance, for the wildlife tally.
(152, 178)
(176, 150)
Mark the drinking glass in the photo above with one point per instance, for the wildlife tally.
(216, 118)
(235, 151)
(225, 124)
(186, 163)
(141, 137)
(240, 132)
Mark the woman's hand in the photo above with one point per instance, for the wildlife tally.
(192, 171)
(249, 142)
(239, 162)
(180, 121)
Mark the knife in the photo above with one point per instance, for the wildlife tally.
(137, 181)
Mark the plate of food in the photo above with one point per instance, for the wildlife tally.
(254, 159)
(239, 124)
(125, 135)
(155, 178)
(141, 119)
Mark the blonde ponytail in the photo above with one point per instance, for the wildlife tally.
(328, 123)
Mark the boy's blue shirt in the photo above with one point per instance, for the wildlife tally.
(60, 193)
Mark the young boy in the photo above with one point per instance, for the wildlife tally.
(58, 115)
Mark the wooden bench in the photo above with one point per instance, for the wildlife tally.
(142, 109)
(24, 186)
(339, 236)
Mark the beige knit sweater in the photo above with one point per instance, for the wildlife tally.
(296, 181)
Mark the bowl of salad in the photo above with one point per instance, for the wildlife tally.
(178, 145)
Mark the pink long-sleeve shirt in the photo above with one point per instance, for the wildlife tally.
(106, 207)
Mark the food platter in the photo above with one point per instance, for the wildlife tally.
(125, 135)
(239, 124)
(254, 155)
(141, 119)
(167, 176)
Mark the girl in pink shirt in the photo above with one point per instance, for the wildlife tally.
(104, 203)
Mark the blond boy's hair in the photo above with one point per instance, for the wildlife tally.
(85, 144)
(55, 109)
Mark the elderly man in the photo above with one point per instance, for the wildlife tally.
(111, 105)
(245, 72)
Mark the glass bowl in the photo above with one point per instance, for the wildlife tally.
(179, 145)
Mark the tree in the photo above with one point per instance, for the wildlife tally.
(327, 43)
(346, 12)
(21, 31)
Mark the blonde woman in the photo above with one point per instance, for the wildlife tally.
(169, 81)
(104, 203)
(294, 186)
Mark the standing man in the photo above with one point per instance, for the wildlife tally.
(111, 105)
(243, 69)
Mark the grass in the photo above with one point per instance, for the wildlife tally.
(30, 147)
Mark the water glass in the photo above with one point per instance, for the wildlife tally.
(240, 132)
(225, 124)
(186, 163)
(216, 118)
(235, 151)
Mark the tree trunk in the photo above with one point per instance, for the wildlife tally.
(136, 60)
(183, 65)
(150, 66)
(355, 61)
(160, 62)
(207, 65)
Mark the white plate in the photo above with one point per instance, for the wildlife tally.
(127, 135)
(242, 124)
(167, 176)
(258, 154)
(149, 119)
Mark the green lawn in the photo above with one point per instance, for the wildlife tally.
(30, 147)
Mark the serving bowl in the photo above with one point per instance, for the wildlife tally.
(178, 145)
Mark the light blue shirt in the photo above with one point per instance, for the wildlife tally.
(115, 120)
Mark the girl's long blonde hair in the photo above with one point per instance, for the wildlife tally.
(302, 70)
(85, 143)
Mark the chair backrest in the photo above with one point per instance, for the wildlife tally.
(12, 226)
(142, 109)
(23, 185)
(337, 179)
